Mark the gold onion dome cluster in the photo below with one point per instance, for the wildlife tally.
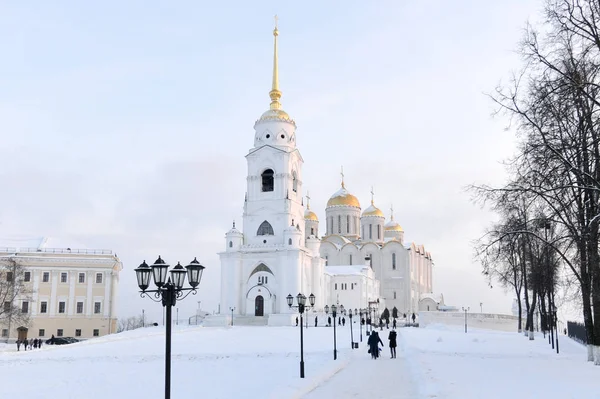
(343, 198)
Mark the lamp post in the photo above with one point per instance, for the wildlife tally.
(360, 317)
(481, 306)
(555, 325)
(351, 333)
(301, 299)
(334, 314)
(232, 309)
(167, 292)
(466, 310)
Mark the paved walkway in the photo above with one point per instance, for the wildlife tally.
(366, 378)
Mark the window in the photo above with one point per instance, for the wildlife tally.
(42, 332)
(97, 306)
(5, 332)
(59, 332)
(312, 231)
(9, 276)
(7, 306)
(348, 225)
(61, 307)
(336, 286)
(44, 307)
(378, 231)
(394, 294)
(96, 332)
(63, 277)
(331, 225)
(230, 244)
(266, 279)
(352, 286)
(98, 278)
(79, 307)
(82, 277)
(394, 261)
(27, 277)
(294, 181)
(326, 260)
(25, 307)
(78, 332)
(339, 224)
(370, 232)
(290, 241)
(45, 277)
(265, 229)
(350, 259)
(268, 183)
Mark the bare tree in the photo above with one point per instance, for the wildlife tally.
(13, 289)
(130, 323)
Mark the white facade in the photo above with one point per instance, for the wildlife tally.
(278, 252)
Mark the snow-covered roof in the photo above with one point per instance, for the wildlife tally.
(44, 244)
(435, 297)
(345, 270)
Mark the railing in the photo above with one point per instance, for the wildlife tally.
(57, 250)
(576, 331)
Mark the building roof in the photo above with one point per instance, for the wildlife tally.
(32, 244)
(346, 270)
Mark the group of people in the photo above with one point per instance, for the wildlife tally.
(29, 343)
(375, 340)
(341, 321)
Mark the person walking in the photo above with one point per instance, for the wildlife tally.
(35, 343)
(316, 320)
(343, 321)
(339, 321)
(18, 345)
(373, 343)
(40, 343)
(392, 339)
(52, 339)
(394, 324)
(25, 343)
(413, 318)
(296, 321)
(329, 321)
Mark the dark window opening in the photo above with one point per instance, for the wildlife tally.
(294, 180)
(268, 182)
(265, 229)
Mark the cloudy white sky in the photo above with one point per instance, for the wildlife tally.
(124, 125)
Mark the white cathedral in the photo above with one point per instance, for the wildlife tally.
(360, 260)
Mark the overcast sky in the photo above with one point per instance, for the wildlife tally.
(124, 125)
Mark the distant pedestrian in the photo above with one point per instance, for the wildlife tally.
(296, 321)
(40, 343)
(18, 345)
(394, 324)
(392, 338)
(405, 315)
(25, 343)
(35, 341)
(362, 321)
(373, 343)
(413, 318)
(339, 321)
(316, 320)
(329, 321)
(52, 340)
(343, 321)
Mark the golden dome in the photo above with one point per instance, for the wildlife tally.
(393, 226)
(373, 211)
(343, 198)
(310, 215)
(276, 115)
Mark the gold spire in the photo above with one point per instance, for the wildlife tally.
(392, 211)
(342, 173)
(275, 94)
(372, 196)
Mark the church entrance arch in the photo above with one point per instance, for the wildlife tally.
(259, 306)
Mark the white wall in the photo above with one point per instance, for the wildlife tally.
(486, 321)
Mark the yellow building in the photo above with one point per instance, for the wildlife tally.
(72, 291)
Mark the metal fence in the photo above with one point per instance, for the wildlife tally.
(576, 331)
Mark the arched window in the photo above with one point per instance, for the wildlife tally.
(370, 232)
(394, 261)
(336, 286)
(290, 241)
(350, 259)
(394, 294)
(347, 223)
(339, 224)
(294, 182)
(312, 231)
(265, 229)
(266, 279)
(379, 232)
(326, 260)
(268, 183)
(230, 244)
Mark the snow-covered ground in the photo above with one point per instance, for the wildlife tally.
(263, 362)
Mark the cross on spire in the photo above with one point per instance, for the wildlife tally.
(276, 19)
(307, 200)
(372, 196)
(392, 210)
(342, 173)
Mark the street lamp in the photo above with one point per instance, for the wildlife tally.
(351, 333)
(466, 310)
(301, 299)
(232, 309)
(334, 314)
(555, 325)
(167, 292)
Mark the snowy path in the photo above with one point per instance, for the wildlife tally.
(375, 379)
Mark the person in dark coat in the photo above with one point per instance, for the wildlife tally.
(339, 321)
(392, 338)
(40, 343)
(362, 321)
(413, 318)
(18, 345)
(52, 339)
(35, 341)
(394, 324)
(373, 342)
(25, 343)
(316, 320)
(329, 321)
(296, 321)
(343, 321)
